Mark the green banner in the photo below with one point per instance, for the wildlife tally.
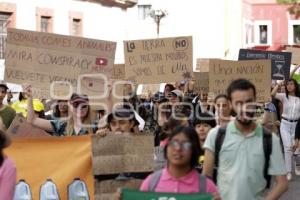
(129, 194)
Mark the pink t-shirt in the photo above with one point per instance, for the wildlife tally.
(7, 179)
(186, 184)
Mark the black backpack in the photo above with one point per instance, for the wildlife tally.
(267, 145)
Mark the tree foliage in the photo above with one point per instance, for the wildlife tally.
(294, 8)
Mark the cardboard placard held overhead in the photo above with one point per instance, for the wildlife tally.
(281, 61)
(116, 153)
(159, 60)
(223, 72)
(43, 58)
(106, 190)
(119, 72)
(202, 65)
(21, 128)
(295, 54)
(150, 89)
(201, 82)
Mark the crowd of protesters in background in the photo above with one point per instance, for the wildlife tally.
(224, 137)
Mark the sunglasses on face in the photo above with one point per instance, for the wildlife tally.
(80, 105)
(186, 146)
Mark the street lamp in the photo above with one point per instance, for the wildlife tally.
(157, 15)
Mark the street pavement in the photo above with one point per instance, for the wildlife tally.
(294, 189)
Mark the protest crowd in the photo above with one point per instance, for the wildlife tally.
(238, 144)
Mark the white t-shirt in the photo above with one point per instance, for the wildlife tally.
(291, 106)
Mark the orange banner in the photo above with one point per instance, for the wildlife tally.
(60, 158)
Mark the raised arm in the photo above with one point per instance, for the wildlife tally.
(275, 89)
(31, 118)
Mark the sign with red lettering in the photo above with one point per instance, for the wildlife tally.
(159, 60)
(42, 59)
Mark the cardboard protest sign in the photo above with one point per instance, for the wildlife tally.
(150, 89)
(159, 60)
(60, 158)
(105, 190)
(21, 128)
(202, 65)
(117, 153)
(280, 61)
(222, 72)
(201, 82)
(295, 54)
(130, 194)
(119, 72)
(43, 58)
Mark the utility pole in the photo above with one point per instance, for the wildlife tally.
(157, 15)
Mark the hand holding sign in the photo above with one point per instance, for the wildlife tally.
(27, 90)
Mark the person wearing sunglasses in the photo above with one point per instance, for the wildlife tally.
(79, 121)
(179, 175)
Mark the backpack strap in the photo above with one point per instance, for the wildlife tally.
(267, 145)
(154, 180)
(202, 183)
(218, 145)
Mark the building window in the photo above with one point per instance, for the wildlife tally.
(144, 11)
(263, 33)
(248, 33)
(7, 20)
(44, 19)
(45, 24)
(294, 32)
(76, 27)
(75, 23)
(4, 21)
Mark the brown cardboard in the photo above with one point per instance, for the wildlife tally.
(42, 58)
(202, 65)
(295, 54)
(21, 128)
(222, 72)
(201, 82)
(159, 60)
(119, 72)
(117, 153)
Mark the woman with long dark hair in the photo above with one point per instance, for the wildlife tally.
(290, 116)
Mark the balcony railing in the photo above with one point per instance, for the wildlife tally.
(116, 3)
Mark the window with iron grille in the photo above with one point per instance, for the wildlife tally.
(144, 11)
(76, 27)
(45, 23)
(4, 20)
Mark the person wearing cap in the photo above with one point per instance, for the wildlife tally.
(7, 170)
(79, 122)
(6, 112)
(21, 106)
(176, 96)
(121, 120)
